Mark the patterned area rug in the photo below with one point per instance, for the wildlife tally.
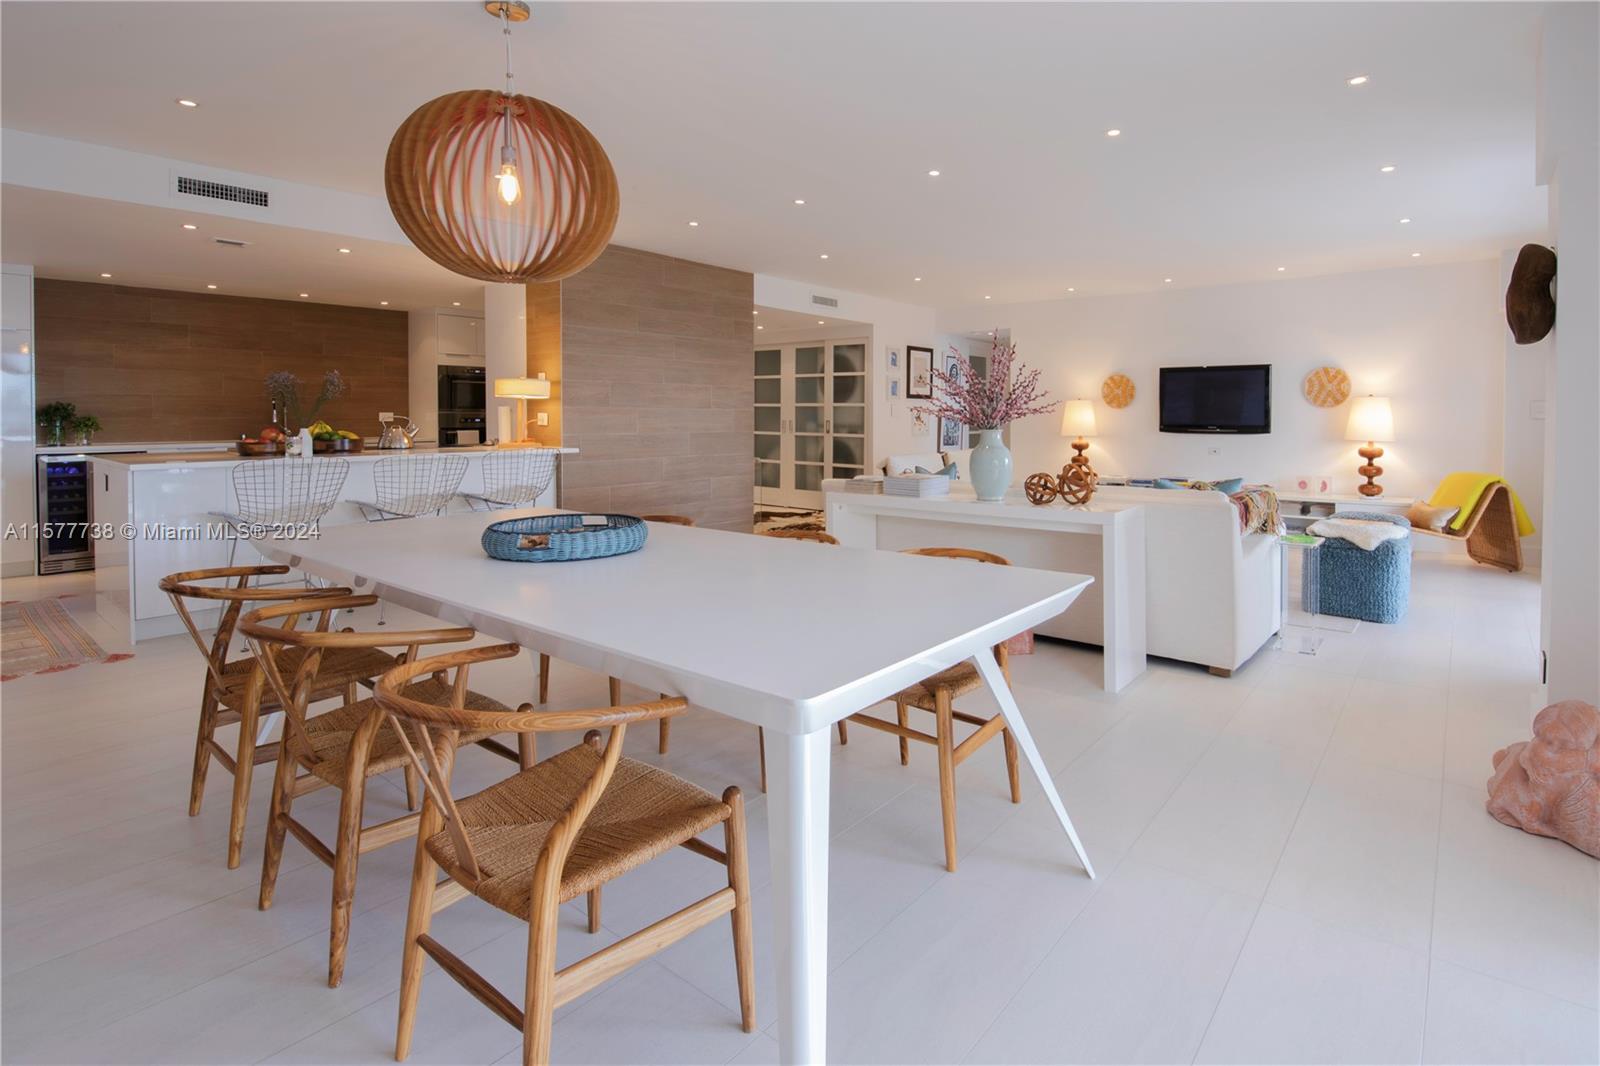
(788, 518)
(40, 637)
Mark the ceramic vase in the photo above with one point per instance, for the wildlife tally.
(990, 465)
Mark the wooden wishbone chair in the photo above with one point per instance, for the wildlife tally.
(937, 694)
(551, 833)
(801, 534)
(341, 748)
(236, 691)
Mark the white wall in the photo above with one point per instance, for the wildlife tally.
(1432, 338)
(17, 419)
(1522, 459)
(893, 325)
(1568, 147)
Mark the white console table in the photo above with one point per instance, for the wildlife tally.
(860, 520)
(1300, 509)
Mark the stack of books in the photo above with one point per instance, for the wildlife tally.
(871, 484)
(920, 485)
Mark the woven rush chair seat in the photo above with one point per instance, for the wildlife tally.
(959, 680)
(330, 734)
(340, 668)
(643, 812)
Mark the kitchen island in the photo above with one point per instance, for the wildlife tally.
(157, 513)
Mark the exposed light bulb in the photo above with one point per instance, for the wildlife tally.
(506, 183)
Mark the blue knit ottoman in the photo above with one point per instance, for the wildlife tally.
(1374, 586)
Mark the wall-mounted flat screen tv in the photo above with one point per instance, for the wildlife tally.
(1216, 399)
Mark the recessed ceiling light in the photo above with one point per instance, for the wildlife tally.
(933, 173)
(1167, 280)
(1071, 289)
(820, 322)
(1282, 269)
(344, 251)
(305, 296)
(105, 275)
(190, 225)
(1405, 221)
(988, 297)
(186, 103)
(991, 333)
(1359, 79)
(1387, 168)
(799, 203)
(824, 255)
(755, 312)
(455, 303)
(1416, 255)
(1113, 133)
(210, 286)
(916, 279)
(383, 303)
(761, 327)
(694, 223)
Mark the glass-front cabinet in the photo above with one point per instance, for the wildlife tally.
(811, 419)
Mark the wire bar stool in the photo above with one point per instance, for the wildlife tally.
(413, 485)
(278, 496)
(514, 477)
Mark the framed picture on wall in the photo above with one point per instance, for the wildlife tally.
(952, 436)
(894, 358)
(919, 373)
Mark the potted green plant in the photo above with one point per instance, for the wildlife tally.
(84, 427)
(54, 416)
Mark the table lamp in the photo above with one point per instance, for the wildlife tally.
(522, 390)
(1371, 420)
(1077, 421)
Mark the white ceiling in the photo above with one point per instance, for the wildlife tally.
(78, 237)
(1243, 148)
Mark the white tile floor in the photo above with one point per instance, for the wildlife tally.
(1295, 867)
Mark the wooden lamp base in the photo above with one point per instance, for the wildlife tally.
(1370, 470)
(1080, 446)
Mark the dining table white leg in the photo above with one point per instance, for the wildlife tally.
(989, 667)
(797, 818)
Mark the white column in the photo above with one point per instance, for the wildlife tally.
(1567, 150)
(17, 416)
(505, 348)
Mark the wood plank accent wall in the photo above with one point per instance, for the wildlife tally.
(156, 365)
(544, 357)
(657, 388)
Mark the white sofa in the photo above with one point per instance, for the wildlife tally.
(1213, 594)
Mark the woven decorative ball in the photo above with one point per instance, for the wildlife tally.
(1327, 386)
(443, 180)
(1117, 391)
(1077, 483)
(1041, 488)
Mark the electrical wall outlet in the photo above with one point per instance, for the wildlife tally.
(385, 416)
(543, 418)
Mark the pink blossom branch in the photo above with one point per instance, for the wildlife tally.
(990, 401)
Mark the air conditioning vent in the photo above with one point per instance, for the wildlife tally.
(216, 190)
(231, 243)
(824, 301)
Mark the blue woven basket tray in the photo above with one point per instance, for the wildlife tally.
(562, 538)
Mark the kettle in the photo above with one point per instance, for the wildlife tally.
(395, 436)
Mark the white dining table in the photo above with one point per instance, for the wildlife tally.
(784, 634)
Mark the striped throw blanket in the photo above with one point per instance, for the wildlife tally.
(1258, 510)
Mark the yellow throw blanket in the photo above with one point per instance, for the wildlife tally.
(1462, 489)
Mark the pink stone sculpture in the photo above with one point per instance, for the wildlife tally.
(1550, 785)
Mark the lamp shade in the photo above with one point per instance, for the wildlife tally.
(522, 388)
(1077, 419)
(1370, 419)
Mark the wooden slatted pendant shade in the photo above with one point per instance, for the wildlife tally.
(443, 180)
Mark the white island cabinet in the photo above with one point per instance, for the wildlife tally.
(157, 514)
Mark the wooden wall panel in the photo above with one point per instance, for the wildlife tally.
(657, 388)
(156, 365)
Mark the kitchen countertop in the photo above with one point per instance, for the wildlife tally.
(133, 446)
(370, 454)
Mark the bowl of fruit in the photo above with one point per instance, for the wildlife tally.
(270, 441)
(324, 438)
